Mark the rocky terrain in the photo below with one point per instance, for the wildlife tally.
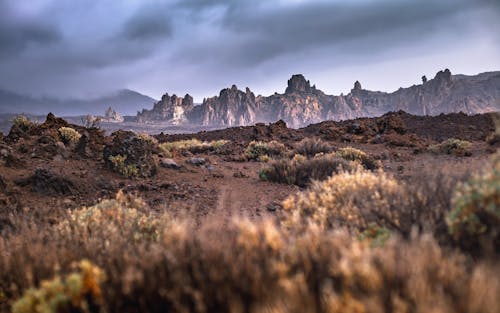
(303, 104)
(264, 217)
(38, 164)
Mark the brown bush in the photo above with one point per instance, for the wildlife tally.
(301, 172)
(249, 267)
(311, 146)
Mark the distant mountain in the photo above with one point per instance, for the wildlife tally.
(125, 102)
(303, 104)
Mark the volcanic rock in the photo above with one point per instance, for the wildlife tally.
(138, 152)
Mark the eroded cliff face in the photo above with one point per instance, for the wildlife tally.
(232, 107)
(171, 109)
(303, 104)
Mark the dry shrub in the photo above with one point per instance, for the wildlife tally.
(77, 292)
(260, 267)
(453, 146)
(22, 122)
(353, 154)
(123, 216)
(309, 147)
(148, 138)
(353, 200)
(474, 221)
(301, 171)
(69, 135)
(192, 145)
(258, 149)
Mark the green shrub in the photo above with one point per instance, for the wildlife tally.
(353, 154)
(77, 292)
(258, 149)
(452, 146)
(475, 216)
(120, 166)
(69, 135)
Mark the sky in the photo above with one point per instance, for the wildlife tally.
(86, 48)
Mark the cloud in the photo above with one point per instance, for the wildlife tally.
(16, 34)
(199, 46)
(149, 23)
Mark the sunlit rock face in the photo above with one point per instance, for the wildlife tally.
(303, 104)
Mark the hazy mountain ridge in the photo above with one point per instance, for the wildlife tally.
(125, 101)
(303, 104)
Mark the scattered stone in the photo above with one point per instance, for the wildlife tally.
(197, 161)
(169, 163)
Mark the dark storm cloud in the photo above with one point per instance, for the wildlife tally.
(150, 22)
(16, 35)
(199, 46)
(269, 31)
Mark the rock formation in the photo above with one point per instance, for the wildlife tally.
(170, 108)
(303, 104)
(111, 116)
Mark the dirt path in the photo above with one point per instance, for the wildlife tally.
(247, 196)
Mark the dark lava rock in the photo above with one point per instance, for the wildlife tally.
(47, 183)
(138, 152)
(3, 184)
(392, 122)
(91, 143)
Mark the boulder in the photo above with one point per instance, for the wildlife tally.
(137, 150)
(169, 163)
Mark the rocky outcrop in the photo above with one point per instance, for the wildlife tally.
(303, 104)
(171, 109)
(232, 107)
(111, 116)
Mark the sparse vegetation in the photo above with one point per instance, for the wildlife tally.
(301, 171)
(353, 154)
(22, 122)
(352, 200)
(148, 138)
(120, 166)
(69, 135)
(475, 218)
(453, 146)
(254, 266)
(257, 150)
(78, 292)
(421, 237)
(309, 147)
(192, 145)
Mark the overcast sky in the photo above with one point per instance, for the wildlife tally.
(79, 48)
